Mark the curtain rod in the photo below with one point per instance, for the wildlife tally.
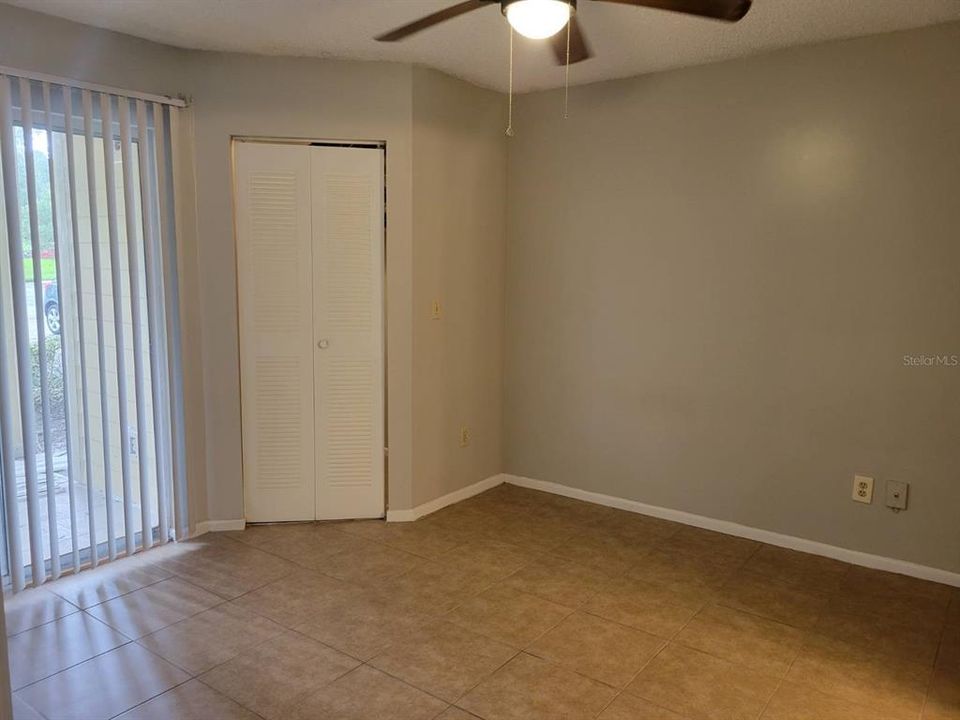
(79, 84)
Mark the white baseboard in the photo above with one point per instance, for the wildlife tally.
(449, 499)
(854, 557)
(205, 526)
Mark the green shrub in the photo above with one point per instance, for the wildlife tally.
(54, 390)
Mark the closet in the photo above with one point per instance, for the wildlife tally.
(310, 272)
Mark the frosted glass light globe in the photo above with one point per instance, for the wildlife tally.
(538, 19)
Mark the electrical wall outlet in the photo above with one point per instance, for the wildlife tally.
(464, 436)
(897, 495)
(863, 489)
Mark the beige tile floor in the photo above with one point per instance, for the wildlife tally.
(511, 605)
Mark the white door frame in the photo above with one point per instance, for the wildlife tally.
(381, 145)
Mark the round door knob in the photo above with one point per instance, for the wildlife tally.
(323, 344)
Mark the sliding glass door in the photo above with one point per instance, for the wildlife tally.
(89, 397)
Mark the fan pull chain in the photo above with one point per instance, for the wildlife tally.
(510, 101)
(566, 80)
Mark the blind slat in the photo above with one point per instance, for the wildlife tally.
(154, 312)
(101, 333)
(77, 278)
(172, 312)
(7, 429)
(160, 208)
(26, 115)
(25, 381)
(133, 265)
(87, 428)
(64, 356)
(116, 285)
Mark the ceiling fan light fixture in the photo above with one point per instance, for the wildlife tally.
(538, 19)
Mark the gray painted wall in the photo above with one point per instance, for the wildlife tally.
(43, 43)
(459, 220)
(714, 275)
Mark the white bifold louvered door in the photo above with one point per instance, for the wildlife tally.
(347, 187)
(275, 294)
(310, 284)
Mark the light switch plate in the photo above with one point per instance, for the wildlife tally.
(897, 494)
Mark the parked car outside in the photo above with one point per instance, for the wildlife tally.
(51, 306)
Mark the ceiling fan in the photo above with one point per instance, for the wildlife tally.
(541, 19)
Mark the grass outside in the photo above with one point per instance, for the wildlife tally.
(48, 269)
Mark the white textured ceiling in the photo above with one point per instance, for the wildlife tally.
(626, 40)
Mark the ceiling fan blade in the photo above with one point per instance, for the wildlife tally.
(729, 10)
(436, 18)
(579, 49)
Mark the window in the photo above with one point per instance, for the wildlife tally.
(89, 390)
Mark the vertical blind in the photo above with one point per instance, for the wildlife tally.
(91, 400)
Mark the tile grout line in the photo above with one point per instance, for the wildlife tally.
(106, 652)
(127, 638)
(633, 679)
(677, 633)
(45, 623)
(355, 536)
(361, 663)
(810, 634)
(780, 682)
(936, 663)
(70, 667)
(79, 611)
(199, 676)
(123, 594)
(665, 645)
(517, 652)
(522, 651)
(179, 685)
(485, 677)
(144, 702)
(409, 684)
(783, 678)
(45, 717)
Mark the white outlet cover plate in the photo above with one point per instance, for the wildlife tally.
(863, 489)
